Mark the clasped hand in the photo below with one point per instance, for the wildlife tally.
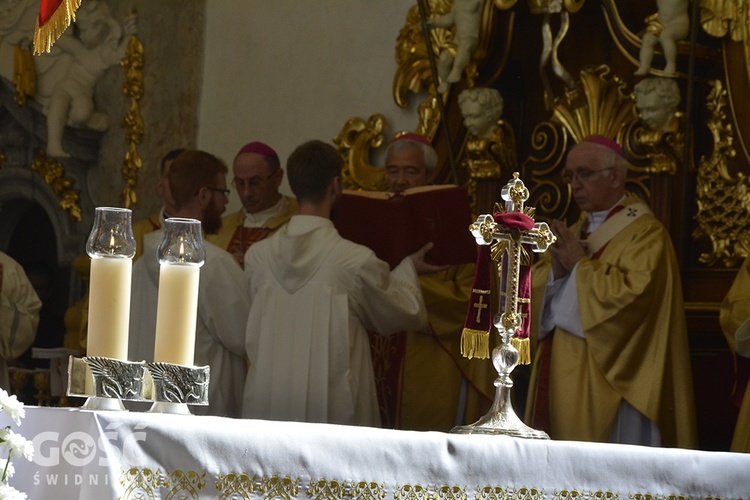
(566, 251)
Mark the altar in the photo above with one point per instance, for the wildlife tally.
(97, 455)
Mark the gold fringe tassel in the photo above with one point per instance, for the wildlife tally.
(475, 344)
(45, 36)
(523, 348)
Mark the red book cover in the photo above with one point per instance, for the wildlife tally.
(395, 225)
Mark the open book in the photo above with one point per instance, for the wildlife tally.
(395, 225)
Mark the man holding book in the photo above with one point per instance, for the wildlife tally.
(197, 182)
(436, 388)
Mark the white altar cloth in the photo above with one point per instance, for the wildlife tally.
(103, 455)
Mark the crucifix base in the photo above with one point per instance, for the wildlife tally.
(502, 419)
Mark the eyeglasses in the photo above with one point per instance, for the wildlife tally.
(252, 183)
(582, 175)
(219, 190)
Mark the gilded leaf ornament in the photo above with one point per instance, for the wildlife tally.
(722, 198)
(598, 106)
(132, 122)
(53, 173)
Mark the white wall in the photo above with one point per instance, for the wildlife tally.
(286, 71)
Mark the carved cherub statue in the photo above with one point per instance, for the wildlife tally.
(656, 100)
(465, 15)
(491, 144)
(668, 26)
(101, 43)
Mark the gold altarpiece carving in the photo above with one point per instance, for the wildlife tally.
(566, 70)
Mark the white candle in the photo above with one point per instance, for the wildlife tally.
(109, 307)
(177, 310)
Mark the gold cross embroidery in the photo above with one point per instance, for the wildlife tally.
(480, 306)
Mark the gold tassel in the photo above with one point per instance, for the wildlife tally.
(524, 351)
(45, 36)
(475, 344)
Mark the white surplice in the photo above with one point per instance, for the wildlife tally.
(313, 297)
(222, 315)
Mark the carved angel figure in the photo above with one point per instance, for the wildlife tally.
(656, 100)
(101, 43)
(465, 15)
(668, 26)
(491, 145)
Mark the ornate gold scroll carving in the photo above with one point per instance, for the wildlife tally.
(354, 144)
(597, 106)
(720, 18)
(662, 150)
(606, 107)
(53, 173)
(414, 73)
(132, 122)
(722, 199)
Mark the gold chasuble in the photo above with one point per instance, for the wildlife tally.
(635, 345)
(741, 439)
(735, 310)
(433, 371)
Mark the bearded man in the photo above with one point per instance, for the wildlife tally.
(197, 181)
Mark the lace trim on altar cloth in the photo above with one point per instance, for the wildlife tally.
(157, 483)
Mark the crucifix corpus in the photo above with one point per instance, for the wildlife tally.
(504, 238)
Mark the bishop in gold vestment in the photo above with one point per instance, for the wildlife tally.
(257, 176)
(619, 370)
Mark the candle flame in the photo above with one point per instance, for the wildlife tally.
(112, 240)
(182, 248)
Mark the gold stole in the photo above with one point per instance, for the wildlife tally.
(613, 225)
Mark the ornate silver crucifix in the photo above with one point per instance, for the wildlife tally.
(510, 230)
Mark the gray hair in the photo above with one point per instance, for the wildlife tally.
(428, 153)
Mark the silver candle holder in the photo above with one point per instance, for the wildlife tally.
(107, 382)
(176, 386)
